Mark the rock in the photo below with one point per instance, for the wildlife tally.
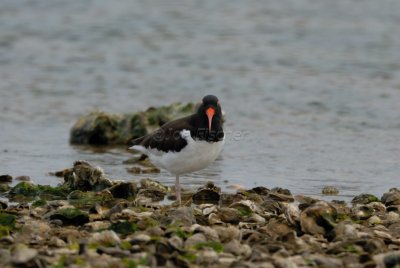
(4, 187)
(330, 190)
(5, 178)
(5, 239)
(182, 215)
(319, 218)
(139, 239)
(392, 217)
(3, 204)
(85, 177)
(292, 213)
(282, 191)
(374, 220)
(105, 238)
(176, 242)
(24, 189)
(361, 212)
(70, 216)
(207, 194)
(195, 239)
(237, 249)
(280, 196)
(276, 227)
(7, 220)
(214, 219)
(229, 215)
(101, 128)
(123, 227)
(208, 208)
(22, 255)
(57, 242)
(246, 207)
(207, 257)
(389, 259)
(260, 190)
(89, 199)
(153, 194)
(96, 226)
(209, 232)
(124, 190)
(364, 199)
(150, 184)
(391, 198)
(23, 178)
(345, 231)
(228, 233)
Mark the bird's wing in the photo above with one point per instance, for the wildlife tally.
(167, 137)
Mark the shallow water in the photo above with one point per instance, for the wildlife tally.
(311, 88)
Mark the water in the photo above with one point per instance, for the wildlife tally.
(311, 88)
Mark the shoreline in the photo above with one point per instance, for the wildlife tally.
(90, 221)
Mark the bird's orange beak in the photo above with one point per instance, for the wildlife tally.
(210, 114)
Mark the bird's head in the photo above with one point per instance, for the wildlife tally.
(210, 108)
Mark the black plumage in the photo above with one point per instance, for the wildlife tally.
(168, 137)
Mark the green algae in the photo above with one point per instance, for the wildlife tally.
(70, 216)
(214, 245)
(123, 227)
(29, 190)
(39, 203)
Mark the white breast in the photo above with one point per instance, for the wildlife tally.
(196, 155)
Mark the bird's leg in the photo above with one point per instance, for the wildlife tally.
(178, 190)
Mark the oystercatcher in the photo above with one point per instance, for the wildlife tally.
(187, 144)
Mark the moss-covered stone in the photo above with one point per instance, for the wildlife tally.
(70, 216)
(4, 187)
(39, 203)
(86, 177)
(364, 199)
(5, 178)
(88, 199)
(7, 220)
(26, 190)
(123, 227)
(4, 231)
(126, 190)
(102, 128)
(216, 246)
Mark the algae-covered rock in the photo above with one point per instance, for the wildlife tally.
(3, 204)
(39, 203)
(7, 223)
(85, 177)
(124, 190)
(103, 128)
(207, 194)
(88, 199)
(319, 218)
(364, 199)
(392, 197)
(22, 256)
(26, 190)
(330, 190)
(5, 178)
(70, 216)
(4, 187)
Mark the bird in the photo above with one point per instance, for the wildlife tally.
(186, 144)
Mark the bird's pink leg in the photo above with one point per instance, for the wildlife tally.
(178, 190)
